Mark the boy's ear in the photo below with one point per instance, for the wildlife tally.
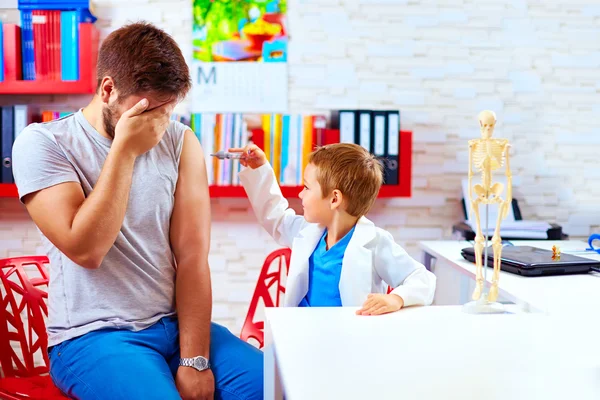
(336, 199)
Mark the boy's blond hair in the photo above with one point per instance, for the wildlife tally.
(353, 171)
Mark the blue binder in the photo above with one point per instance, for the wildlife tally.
(8, 129)
(27, 51)
(52, 4)
(1, 52)
(69, 42)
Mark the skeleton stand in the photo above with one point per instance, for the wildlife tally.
(487, 155)
(483, 306)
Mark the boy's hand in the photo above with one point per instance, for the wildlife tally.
(377, 304)
(252, 156)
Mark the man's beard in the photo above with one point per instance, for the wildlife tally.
(109, 120)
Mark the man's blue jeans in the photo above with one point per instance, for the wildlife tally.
(119, 364)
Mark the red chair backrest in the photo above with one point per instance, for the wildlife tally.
(269, 281)
(23, 292)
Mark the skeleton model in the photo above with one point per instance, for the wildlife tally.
(487, 155)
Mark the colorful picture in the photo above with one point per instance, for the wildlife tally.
(240, 30)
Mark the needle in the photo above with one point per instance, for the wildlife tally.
(223, 155)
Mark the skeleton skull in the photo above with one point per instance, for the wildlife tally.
(487, 122)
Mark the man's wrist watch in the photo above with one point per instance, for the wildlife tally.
(200, 363)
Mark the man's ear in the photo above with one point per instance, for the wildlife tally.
(336, 199)
(107, 90)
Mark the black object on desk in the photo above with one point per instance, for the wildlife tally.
(533, 261)
(462, 230)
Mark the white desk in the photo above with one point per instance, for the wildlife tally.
(429, 353)
(549, 294)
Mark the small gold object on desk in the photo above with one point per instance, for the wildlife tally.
(555, 253)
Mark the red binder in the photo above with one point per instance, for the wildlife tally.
(12, 52)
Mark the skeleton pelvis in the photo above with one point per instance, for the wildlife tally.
(489, 193)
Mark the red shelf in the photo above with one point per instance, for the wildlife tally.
(88, 54)
(290, 192)
(8, 190)
(47, 87)
(238, 191)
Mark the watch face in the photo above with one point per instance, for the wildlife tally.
(201, 363)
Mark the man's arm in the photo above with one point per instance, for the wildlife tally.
(85, 229)
(190, 241)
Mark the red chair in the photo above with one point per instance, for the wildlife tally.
(267, 279)
(23, 291)
(268, 282)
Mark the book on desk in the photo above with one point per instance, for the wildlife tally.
(464, 230)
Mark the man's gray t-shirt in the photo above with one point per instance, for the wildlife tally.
(135, 284)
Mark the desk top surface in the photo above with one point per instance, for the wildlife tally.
(432, 352)
(550, 294)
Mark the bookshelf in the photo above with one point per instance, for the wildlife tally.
(88, 54)
(330, 136)
(403, 189)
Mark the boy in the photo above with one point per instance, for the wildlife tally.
(339, 257)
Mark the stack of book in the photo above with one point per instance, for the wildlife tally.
(46, 44)
(286, 139)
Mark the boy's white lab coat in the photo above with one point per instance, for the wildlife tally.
(372, 261)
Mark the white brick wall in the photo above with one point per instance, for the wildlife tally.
(441, 62)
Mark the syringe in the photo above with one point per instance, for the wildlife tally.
(224, 155)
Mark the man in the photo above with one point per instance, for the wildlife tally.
(120, 195)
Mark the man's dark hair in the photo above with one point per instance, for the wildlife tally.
(141, 58)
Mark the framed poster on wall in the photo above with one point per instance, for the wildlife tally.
(240, 56)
